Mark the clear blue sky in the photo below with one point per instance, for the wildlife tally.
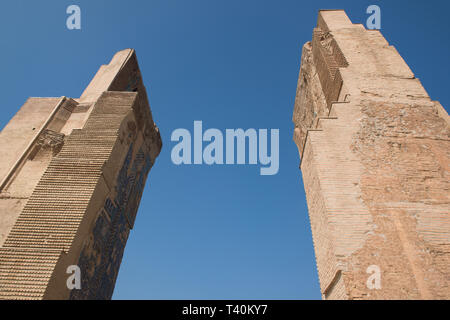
(209, 232)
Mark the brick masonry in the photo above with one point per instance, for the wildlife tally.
(375, 153)
(72, 183)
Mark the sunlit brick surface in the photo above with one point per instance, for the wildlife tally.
(72, 178)
(375, 153)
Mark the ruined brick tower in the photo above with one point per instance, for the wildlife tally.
(375, 153)
(72, 173)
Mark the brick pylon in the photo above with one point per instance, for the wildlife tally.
(375, 153)
(72, 176)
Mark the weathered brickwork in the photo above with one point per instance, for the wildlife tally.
(89, 159)
(375, 153)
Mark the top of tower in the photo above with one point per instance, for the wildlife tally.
(330, 20)
(107, 75)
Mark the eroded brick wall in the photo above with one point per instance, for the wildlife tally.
(90, 159)
(375, 153)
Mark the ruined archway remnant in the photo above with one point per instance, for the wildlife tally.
(375, 156)
(72, 174)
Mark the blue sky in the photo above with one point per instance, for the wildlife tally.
(209, 232)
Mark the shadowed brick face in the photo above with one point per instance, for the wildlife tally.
(71, 180)
(375, 153)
